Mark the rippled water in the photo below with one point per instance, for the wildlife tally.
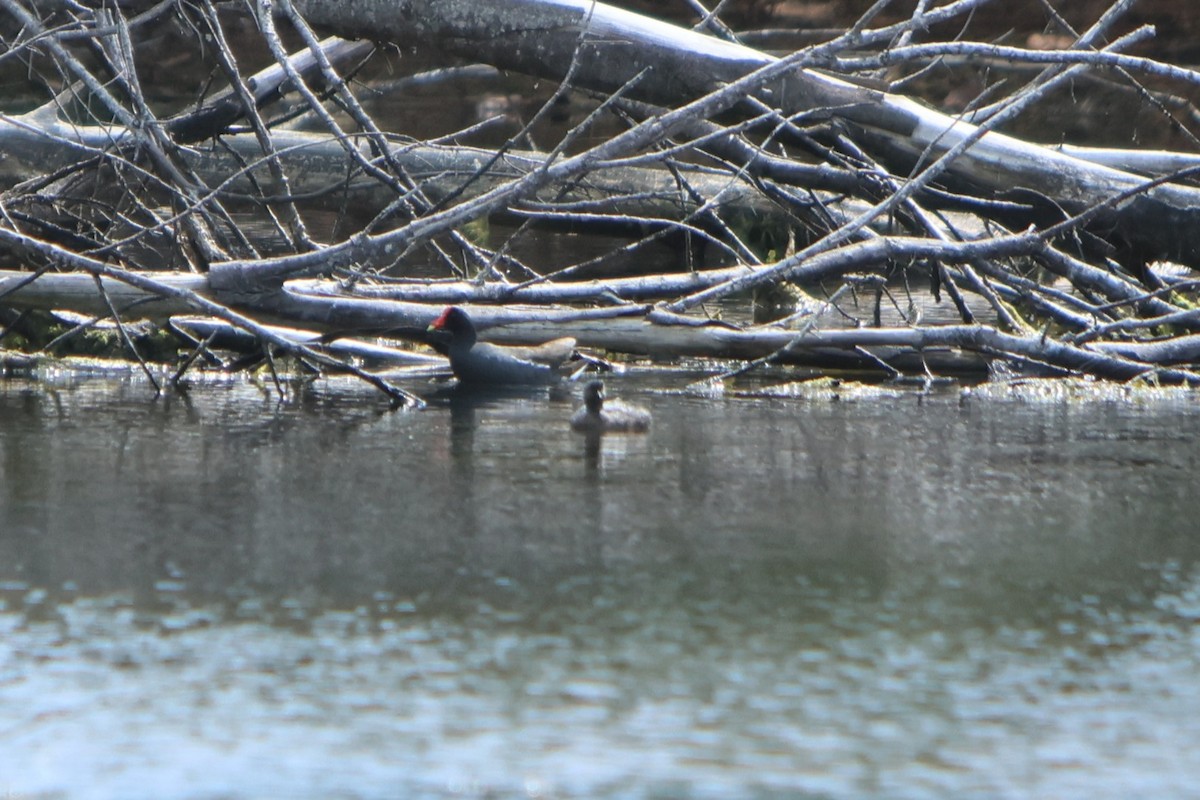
(906, 596)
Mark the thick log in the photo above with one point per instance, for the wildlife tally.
(317, 166)
(226, 336)
(648, 287)
(77, 291)
(642, 331)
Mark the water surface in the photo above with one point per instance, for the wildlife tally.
(909, 596)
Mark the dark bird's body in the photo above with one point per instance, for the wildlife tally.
(597, 416)
(480, 363)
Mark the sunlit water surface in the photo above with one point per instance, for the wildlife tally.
(910, 596)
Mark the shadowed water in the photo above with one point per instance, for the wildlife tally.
(909, 596)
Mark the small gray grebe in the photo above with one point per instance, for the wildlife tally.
(597, 416)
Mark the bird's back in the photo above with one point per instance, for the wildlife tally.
(488, 364)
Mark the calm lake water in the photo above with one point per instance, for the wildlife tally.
(915, 595)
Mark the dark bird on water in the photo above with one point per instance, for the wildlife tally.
(481, 363)
(614, 416)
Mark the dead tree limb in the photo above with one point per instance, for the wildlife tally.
(609, 47)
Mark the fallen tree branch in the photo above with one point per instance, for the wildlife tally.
(610, 46)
